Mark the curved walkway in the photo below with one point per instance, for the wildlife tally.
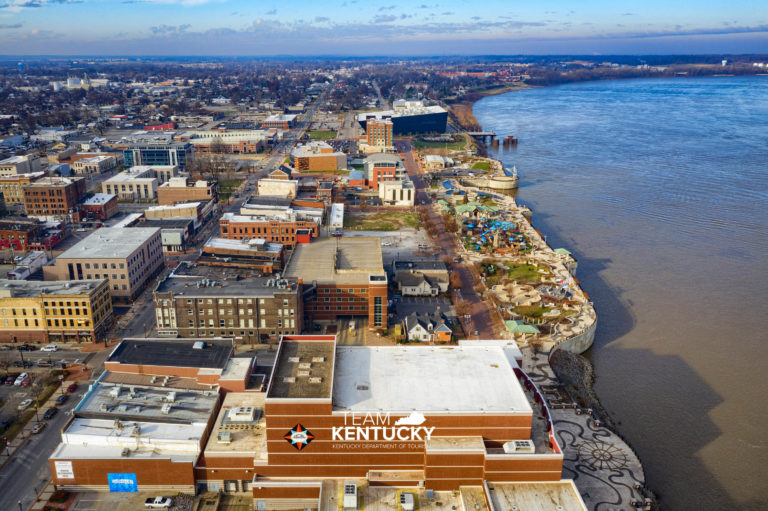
(606, 470)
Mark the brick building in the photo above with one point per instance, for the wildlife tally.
(279, 121)
(274, 229)
(389, 421)
(100, 206)
(383, 167)
(180, 189)
(94, 165)
(69, 311)
(256, 253)
(346, 277)
(317, 156)
(54, 197)
(378, 133)
(18, 234)
(208, 301)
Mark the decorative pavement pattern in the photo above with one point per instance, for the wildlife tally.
(606, 470)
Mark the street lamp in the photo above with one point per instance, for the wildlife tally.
(20, 508)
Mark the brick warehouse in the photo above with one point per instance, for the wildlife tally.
(329, 413)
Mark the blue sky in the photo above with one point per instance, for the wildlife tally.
(389, 27)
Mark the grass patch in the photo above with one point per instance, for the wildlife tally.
(482, 165)
(358, 166)
(531, 311)
(381, 221)
(452, 146)
(321, 134)
(228, 186)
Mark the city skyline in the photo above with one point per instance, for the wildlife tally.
(390, 27)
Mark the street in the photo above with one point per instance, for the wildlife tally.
(481, 319)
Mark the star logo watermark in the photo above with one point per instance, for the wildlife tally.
(299, 437)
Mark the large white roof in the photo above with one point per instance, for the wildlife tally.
(473, 379)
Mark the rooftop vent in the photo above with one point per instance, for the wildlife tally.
(303, 373)
(293, 359)
(198, 345)
(289, 379)
(125, 453)
(170, 397)
(166, 409)
(519, 447)
(318, 359)
(305, 365)
(316, 379)
(224, 437)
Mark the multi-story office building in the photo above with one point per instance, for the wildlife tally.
(154, 148)
(378, 133)
(285, 229)
(346, 276)
(54, 197)
(68, 311)
(228, 141)
(209, 301)
(129, 258)
(179, 189)
(383, 167)
(135, 183)
(317, 156)
(12, 186)
(20, 165)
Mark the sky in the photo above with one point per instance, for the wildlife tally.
(389, 27)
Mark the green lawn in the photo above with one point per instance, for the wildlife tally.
(453, 146)
(228, 186)
(482, 165)
(321, 134)
(381, 221)
(356, 166)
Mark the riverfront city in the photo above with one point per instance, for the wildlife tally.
(258, 278)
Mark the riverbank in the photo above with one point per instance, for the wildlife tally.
(461, 110)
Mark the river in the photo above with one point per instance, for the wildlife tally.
(660, 189)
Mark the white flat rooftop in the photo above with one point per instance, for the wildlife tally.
(110, 242)
(426, 379)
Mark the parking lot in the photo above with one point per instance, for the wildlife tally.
(403, 244)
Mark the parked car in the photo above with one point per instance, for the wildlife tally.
(62, 399)
(38, 428)
(24, 404)
(49, 347)
(158, 502)
(338, 234)
(44, 363)
(26, 347)
(20, 379)
(9, 380)
(49, 413)
(72, 388)
(22, 363)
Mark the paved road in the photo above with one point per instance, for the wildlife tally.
(482, 320)
(382, 102)
(28, 471)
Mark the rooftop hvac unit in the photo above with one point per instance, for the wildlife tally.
(519, 447)
(198, 345)
(125, 453)
(170, 397)
(224, 437)
(406, 501)
(350, 495)
(115, 392)
(242, 414)
(166, 409)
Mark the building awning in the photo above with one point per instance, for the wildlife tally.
(515, 326)
(562, 251)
